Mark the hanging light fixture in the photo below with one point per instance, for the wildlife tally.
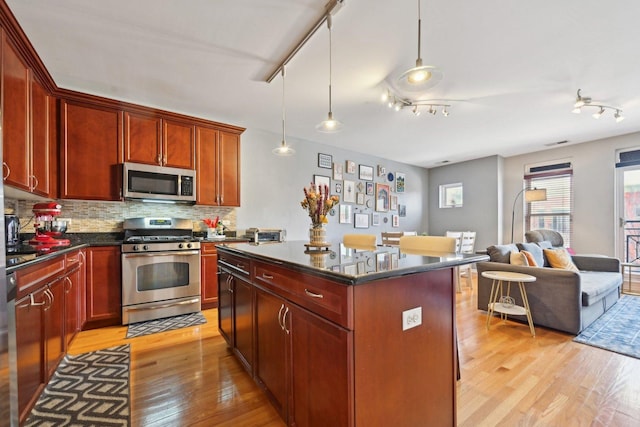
(398, 103)
(420, 77)
(587, 102)
(330, 125)
(284, 149)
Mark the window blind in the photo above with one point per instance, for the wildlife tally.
(556, 212)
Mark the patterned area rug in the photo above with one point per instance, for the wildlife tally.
(167, 324)
(90, 389)
(617, 330)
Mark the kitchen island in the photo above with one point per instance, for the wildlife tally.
(344, 337)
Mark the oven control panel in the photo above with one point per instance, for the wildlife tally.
(160, 247)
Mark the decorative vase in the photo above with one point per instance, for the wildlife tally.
(317, 236)
(318, 259)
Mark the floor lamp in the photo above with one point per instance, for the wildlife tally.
(535, 195)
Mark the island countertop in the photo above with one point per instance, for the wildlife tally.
(348, 265)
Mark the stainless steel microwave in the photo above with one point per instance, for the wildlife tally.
(158, 183)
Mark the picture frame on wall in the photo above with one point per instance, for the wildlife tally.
(338, 187)
(393, 203)
(361, 220)
(395, 221)
(375, 219)
(351, 167)
(402, 210)
(382, 197)
(400, 181)
(325, 161)
(321, 180)
(345, 214)
(349, 191)
(366, 173)
(369, 188)
(360, 198)
(337, 171)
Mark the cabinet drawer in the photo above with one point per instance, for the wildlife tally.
(72, 260)
(208, 248)
(323, 297)
(30, 278)
(235, 263)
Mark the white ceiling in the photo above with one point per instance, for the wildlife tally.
(511, 68)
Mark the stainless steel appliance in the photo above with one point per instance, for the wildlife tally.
(12, 230)
(265, 235)
(158, 183)
(160, 269)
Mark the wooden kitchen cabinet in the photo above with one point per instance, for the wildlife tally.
(91, 152)
(208, 275)
(104, 288)
(73, 289)
(217, 167)
(29, 127)
(154, 140)
(30, 343)
(54, 323)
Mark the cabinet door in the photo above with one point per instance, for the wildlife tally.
(243, 317)
(91, 152)
(104, 288)
(54, 326)
(229, 169)
(30, 349)
(270, 367)
(206, 169)
(225, 306)
(178, 145)
(321, 371)
(142, 138)
(15, 117)
(208, 276)
(41, 139)
(71, 305)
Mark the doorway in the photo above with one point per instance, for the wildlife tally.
(628, 247)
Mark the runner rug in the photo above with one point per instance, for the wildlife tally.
(616, 330)
(166, 324)
(90, 389)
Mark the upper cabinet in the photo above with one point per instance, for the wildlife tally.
(91, 152)
(153, 140)
(218, 167)
(29, 124)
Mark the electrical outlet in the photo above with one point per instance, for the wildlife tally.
(411, 318)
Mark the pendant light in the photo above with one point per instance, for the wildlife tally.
(420, 77)
(284, 149)
(330, 125)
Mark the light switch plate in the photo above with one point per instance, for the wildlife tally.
(411, 318)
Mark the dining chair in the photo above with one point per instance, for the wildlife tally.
(391, 238)
(425, 244)
(359, 241)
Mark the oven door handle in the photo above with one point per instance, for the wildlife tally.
(167, 253)
(173, 304)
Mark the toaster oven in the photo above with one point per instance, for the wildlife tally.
(265, 235)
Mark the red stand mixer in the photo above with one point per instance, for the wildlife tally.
(46, 235)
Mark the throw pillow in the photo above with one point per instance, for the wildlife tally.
(518, 258)
(531, 260)
(535, 250)
(545, 244)
(500, 253)
(560, 258)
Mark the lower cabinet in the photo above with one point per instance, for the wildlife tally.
(54, 322)
(208, 275)
(302, 363)
(104, 287)
(72, 292)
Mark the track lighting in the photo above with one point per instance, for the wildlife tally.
(283, 149)
(586, 102)
(398, 104)
(330, 125)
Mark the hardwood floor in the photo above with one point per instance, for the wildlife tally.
(189, 377)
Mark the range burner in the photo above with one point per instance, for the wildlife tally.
(158, 234)
(185, 238)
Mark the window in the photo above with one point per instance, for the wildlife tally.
(451, 195)
(556, 212)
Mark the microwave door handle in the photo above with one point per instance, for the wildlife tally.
(168, 253)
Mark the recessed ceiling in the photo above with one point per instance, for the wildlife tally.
(511, 69)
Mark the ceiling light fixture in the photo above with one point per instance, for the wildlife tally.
(398, 103)
(284, 149)
(330, 125)
(420, 77)
(585, 102)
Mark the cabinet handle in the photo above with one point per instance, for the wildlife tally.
(159, 159)
(164, 160)
(280, 317)
(267, 276)
(33, 302)
(4, 164)
(230, 284)
(313, 294)
(49, 295)
(34, 179)
(70, 283)
(284, 320)
(240, 266)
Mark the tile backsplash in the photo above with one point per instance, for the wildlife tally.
(106, 217)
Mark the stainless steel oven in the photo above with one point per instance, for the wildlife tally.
(160, 269)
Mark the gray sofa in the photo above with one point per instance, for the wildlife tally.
(559, 299)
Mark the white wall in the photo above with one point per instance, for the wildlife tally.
(272, 187)
(594, 220)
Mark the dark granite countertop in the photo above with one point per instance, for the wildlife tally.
(346, 265)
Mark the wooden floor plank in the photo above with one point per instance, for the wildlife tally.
(189, 377)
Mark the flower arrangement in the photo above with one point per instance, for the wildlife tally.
(317, 202)
(211, 223)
